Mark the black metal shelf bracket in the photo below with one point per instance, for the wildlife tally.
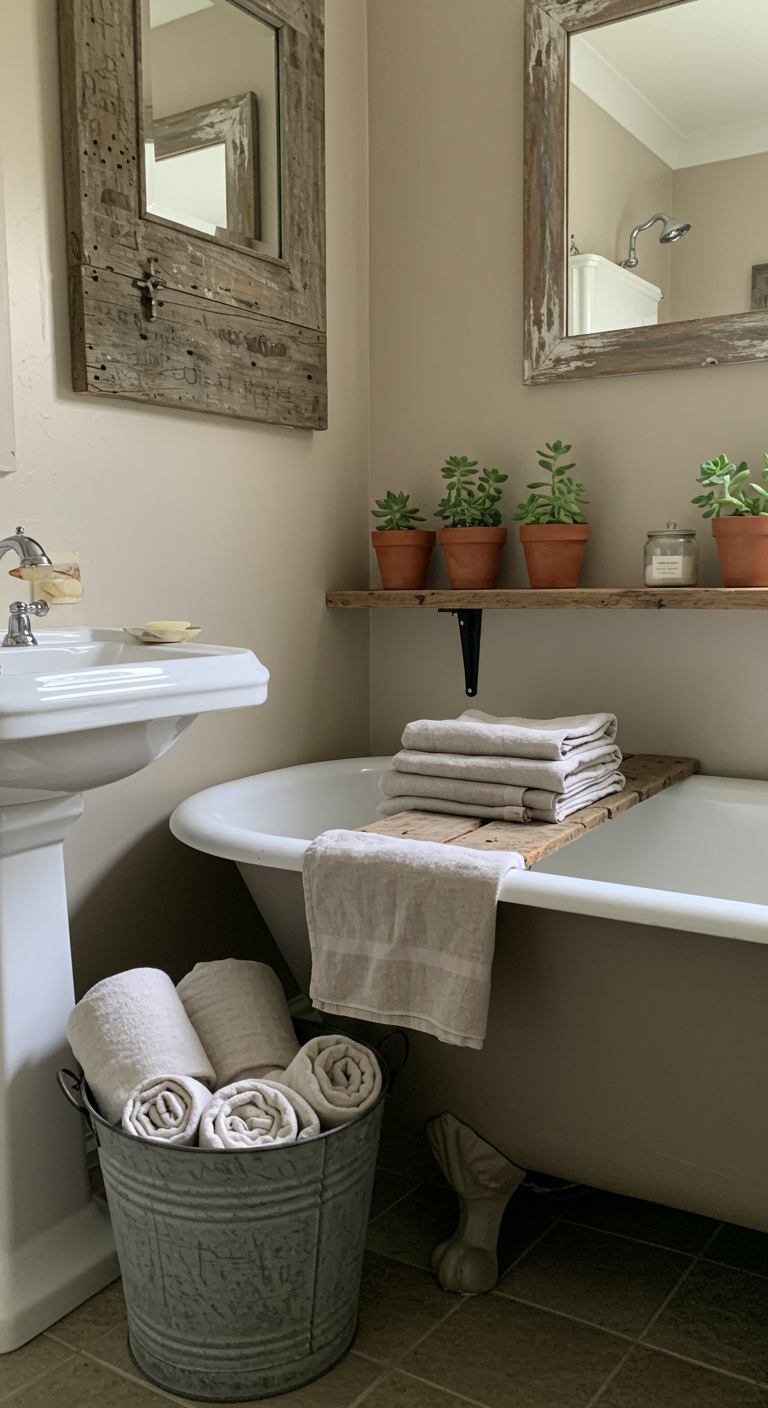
(470, 626)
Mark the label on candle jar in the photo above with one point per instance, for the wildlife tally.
(667, 569)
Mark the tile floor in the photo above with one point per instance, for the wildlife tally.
(605, 1301)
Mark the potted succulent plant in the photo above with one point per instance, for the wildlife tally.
(741, 536)
(402, 550)
(554, 530)
(473, 538)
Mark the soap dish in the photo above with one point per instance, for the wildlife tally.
(161, 637)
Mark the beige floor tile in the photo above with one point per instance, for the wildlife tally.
(398, 1304)
(82, 1383)
(651, 1222)
(720, 1317)
(389, 1188)
(405, 1150)
(741, 1247)
(22, 1365)
(91, 1319)
(412, 1229)
(614, 1283)
(506, 1355)
(400, 1390)
(653, 1380)
(336, 1389)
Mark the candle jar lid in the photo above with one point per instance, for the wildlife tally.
(673, 531)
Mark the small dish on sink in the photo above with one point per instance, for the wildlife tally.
(172, 637)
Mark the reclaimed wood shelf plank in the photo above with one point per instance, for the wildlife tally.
(561, 599)
(646, 775)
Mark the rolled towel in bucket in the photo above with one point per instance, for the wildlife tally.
(166, 1109)
(307, 1120)
(248, 1114)
(129, 1027)
(240, 1014)
(336, 1076)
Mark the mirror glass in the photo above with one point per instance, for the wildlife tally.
(211, 130)
(668, 118)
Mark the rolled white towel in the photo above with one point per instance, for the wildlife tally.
(240, 1014)
(307, 1120)
(248, 1114)
(339, 1078)
(166, 1109)
(129, 1027)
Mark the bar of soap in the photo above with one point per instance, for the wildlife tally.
(167, 625)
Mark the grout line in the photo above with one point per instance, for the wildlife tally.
(564, 1315)
(597, 1396)
(441, 1388)
(361, 1397)
(643, 1241)
(396, 1202)
(729, 1266)
(12, 1393)
(135, 1379)
(495, 1289)
(676, 1288)
(702, 1364)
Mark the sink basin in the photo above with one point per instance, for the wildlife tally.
(87, 707)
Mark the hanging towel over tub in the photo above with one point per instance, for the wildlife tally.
(403, 931)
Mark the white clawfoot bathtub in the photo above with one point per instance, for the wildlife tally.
(627, 1040)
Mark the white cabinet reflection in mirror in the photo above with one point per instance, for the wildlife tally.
(603, 296)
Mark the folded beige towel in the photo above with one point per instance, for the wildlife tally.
(476, 732)
(571, 772)
(239, 1011)
(488, 799)
(336, 1076)
(248, 1114)
(403, 931)
(129, 1027)
(166, 1109)
(559, 807)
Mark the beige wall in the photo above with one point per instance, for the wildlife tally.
(446, 319)
(614, 184)
(235, 525)
(726, 203)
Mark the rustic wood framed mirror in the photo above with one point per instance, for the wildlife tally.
(194, 172)
(646, 167)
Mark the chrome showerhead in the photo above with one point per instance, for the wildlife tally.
(673, 230)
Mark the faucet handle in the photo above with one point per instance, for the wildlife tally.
(19, 629)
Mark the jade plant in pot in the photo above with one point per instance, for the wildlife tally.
(402, 550)
(554, 530)
(473, 538)
(739, 522)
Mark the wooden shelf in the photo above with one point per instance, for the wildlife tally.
(646, 775)
(571, 598)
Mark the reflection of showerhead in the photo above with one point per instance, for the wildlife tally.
(673, 230)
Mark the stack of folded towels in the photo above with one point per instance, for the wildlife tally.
(504, 769)
(214, 1063)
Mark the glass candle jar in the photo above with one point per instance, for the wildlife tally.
(671, 557)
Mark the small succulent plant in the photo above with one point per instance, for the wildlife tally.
(395, 512)
(728, 490)
(562, 503)
(470, 499)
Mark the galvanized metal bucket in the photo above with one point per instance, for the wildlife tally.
(241, 1269)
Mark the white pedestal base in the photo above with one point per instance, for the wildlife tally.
(56, 1244)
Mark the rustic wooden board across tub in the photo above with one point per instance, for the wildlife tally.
(646, 774)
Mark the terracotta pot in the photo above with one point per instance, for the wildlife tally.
(742, 544)
(473, 555)
(403, 556)
(553, 552)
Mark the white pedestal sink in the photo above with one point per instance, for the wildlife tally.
(80, 709)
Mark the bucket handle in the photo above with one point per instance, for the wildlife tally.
(72, 1092)
(393, 1065)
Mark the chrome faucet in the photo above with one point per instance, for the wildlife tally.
(30, 554)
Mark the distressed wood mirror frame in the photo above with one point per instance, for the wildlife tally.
(548, 353)
(164, 314)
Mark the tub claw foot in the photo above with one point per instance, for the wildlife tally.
(485, 1182)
